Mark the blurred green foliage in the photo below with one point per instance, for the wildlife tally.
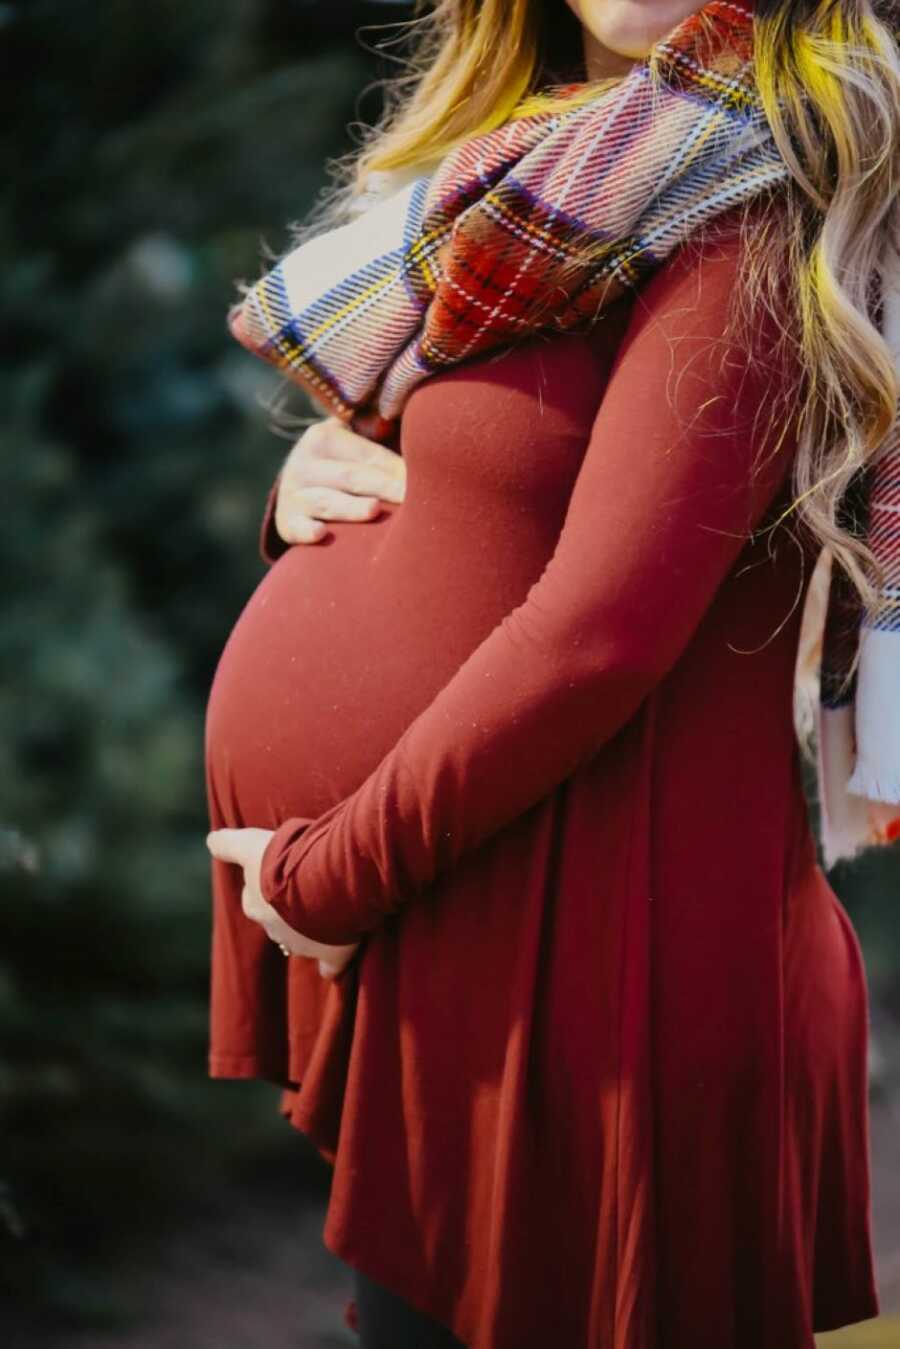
(152, 151)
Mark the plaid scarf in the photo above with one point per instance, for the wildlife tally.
(489, 248)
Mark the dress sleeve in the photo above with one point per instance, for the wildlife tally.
(271, 544)
(674, 479)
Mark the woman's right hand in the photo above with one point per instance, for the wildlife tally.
(332, 473)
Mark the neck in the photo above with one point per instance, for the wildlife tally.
(632, 30)
(600, 61)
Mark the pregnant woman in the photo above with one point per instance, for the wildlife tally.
(515, 892)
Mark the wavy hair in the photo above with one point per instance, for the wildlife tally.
(828, 74)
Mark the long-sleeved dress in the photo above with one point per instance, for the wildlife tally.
(596, 1077)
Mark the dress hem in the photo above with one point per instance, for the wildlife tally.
(847, 1314)
(869, 1309)
(245, 1067)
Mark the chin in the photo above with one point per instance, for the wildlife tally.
(627, 27)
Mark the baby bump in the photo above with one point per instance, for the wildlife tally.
(337, 650)
(300, 702)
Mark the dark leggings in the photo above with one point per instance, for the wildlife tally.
(386, 1321)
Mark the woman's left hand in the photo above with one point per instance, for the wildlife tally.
(245, 847)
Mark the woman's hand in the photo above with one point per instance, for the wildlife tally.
(332, 473)
(245, 847)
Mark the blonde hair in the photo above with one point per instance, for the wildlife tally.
(828, 74)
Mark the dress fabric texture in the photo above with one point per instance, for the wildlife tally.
(596, 1076)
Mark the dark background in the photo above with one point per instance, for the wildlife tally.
(152, 149)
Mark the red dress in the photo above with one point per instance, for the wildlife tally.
(597, 1075)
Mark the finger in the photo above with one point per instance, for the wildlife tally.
(329, 966)
(330, 970)
(253, 910)
(360, 479)
(329, 503)
(295, 526)
(227, 844)
(338, 441)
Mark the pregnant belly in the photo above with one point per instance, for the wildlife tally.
(337, 650)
